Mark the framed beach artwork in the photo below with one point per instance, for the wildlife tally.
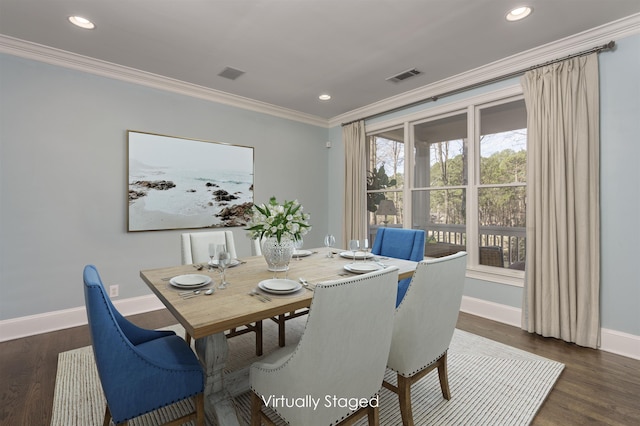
(178, 183)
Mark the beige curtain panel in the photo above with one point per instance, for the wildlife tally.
(355, 196)
(562, 281)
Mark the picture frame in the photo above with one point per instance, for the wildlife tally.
(180, 183)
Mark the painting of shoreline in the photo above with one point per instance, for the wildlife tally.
(177, 183)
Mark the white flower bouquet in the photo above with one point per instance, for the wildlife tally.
(278, 220)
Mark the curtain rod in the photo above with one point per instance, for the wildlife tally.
(598, 49)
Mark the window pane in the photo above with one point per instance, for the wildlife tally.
(441, 214)
(502, 220)
(503, 143)
(389, 212)
(441, 152)
(389, 209)
(385, 178)
(385, 168)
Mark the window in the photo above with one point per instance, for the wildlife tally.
(385, 180)
(465, 183)
(439, 190)
(502, 185)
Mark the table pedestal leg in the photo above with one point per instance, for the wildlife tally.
(213, 351)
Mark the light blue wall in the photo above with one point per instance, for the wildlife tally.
(63, 181)
(63, 185)
(619, 189)
(620, 185)
(335, 179)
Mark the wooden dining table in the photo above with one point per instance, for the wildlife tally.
(206, 318)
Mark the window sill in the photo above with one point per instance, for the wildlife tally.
(501, 276)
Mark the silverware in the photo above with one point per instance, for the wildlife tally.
(261, 297)
(195, 293)
(306, 284)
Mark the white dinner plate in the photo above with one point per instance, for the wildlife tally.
(302, 253)
(279, 286)
(190, 281)
(362, 268)
(234, 262)
(360, 255)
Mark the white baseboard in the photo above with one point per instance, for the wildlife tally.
(613, 341)
(16, 328)
(620, 343)
(490, 310)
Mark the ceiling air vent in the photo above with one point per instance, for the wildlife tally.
(403, 75)
(231, 73)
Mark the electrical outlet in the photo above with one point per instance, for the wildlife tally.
(114, 290)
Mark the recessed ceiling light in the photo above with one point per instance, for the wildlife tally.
(519, 13)
(81, 22)
(324, 97)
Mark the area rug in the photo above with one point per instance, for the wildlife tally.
(491, 384)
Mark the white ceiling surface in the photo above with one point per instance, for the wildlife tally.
(293, 50)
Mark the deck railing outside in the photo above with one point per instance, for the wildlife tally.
(449, 238)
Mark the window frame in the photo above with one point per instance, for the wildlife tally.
(472, 106)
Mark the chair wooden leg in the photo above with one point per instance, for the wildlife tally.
(404, 397)
(374, 416)
(258, 338)
(187, 338)
(256, 409)
(444, 377)
(403, 389)
(281, 336)
(107, 417)
(199, 400)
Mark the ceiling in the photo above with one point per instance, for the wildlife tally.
(293, 50)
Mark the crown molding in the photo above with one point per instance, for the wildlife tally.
(564, 47)
(558, 49)
(52, 56)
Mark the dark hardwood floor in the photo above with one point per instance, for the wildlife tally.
(596, 387)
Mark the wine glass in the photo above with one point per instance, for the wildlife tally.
(354, 246)
(212, 254)
(365, 247)
(297, 245)
(224, 259)
(329, 241)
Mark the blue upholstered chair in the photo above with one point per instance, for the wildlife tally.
(140, 370)
(400, 243)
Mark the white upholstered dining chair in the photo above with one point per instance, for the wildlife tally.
(195, 249)
(195, 245)
(256, 246)
(423, 326)
(342, 353)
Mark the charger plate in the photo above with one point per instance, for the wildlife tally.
(190, 281)
(279, 286)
